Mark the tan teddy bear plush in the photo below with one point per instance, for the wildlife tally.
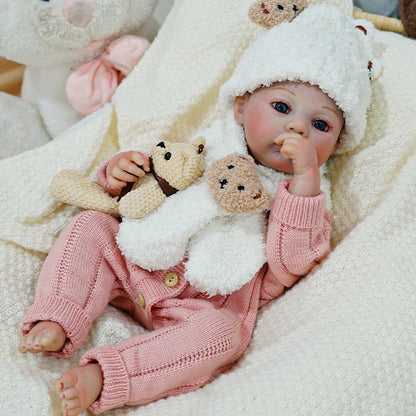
(269, 13)
(174, 166)
(235, 185)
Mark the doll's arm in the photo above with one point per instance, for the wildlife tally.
(298, 234)
(121, 169)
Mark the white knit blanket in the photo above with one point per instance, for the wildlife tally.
(342, 341)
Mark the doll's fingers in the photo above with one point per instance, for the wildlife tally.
(288, 150)
(122, 175)
(130, 168)
(279, 140)
(285, 137)
(116, 160)
(141, 160)
(115, 183)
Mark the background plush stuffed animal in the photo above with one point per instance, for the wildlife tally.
(52, 39)
(174, 166)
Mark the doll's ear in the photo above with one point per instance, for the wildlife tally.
(239, 108)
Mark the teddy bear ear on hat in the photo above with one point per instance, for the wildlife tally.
(367, 29)
(269, 13)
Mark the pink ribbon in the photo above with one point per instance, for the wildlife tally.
(93, 84)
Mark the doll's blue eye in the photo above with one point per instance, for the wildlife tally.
(281, 107)
(320, 125)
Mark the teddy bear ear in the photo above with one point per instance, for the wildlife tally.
(366, 29)
(246, 158)
(199, 142)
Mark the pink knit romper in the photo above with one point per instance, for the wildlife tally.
(191, 337)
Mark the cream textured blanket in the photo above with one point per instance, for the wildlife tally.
(342, 341)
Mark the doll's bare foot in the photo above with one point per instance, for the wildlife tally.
(79, 387)
(44, 336)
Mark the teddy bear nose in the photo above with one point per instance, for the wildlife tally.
(78, 12)
(223, 182)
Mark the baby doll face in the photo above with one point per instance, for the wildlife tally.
(284, 108)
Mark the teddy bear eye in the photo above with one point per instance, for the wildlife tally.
(230, 166)
(240, 188)
(168, 155)
(280, 7)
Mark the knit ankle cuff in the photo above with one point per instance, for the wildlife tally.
(74, 320)
(116, 387)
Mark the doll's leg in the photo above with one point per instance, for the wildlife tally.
(75, 285)
(195, 341)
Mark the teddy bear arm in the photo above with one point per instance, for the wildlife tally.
(144, 198)
(74, 188)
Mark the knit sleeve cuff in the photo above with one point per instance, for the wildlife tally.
(116, 386)
(74, 321)
(297, 211)
(102, 178)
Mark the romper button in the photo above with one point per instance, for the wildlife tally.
(171, 279)
(141, 300)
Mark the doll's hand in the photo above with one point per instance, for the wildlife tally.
(126, 167)
(306, 179)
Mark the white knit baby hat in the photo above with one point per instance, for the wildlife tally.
(322, 46)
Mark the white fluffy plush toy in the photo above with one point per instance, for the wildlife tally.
(54, 38)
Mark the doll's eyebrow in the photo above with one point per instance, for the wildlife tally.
(283, 88)
(330, 109)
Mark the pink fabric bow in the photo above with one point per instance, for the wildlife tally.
(93, 84)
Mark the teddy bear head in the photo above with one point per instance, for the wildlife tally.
(235, 185)
(179, 163)
(43, 33)
(269, 13)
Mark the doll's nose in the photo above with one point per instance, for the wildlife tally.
(78, 12)
(297, 125)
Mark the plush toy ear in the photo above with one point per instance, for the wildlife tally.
(199, 142)
(365, 28)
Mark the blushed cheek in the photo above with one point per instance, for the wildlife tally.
(257, 128)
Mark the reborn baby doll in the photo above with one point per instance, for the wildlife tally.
(291, 114)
